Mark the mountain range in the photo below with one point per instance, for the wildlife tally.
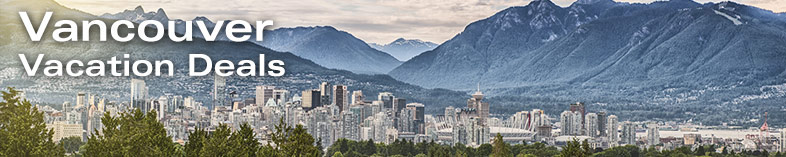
(301, 74)
(405, 49)
(675, 59)
(604, 42)
(675, 55)
(324, 45)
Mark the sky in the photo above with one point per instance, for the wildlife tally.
(374, 21)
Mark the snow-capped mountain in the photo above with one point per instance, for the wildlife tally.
(404, 49)
(676, 52)
(325, 46)
(495, 41)
(138, 15)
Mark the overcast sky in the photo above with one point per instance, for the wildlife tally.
(379, 21)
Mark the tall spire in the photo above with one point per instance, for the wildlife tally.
(478, 87)
(478, 95)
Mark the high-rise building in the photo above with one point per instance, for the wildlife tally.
(139, 95)
(418, 117)
(565, 121)
(281, 95)
(398, 104)
(340, 97)
(571, 123)
(325, 93)
(653, 135)
(350, 128)
(602, 122)
(67, 107)
(357, 97)
(263, 93)
(591, 125)
(783, 140)
(611, 130)
(406, 121)
(161, 106)
(479, 132)
(310, 99)
(460, 134)
(482, 108)
(80, 100)
(581, 109)
(387, 99)
(220, 95)
(628, 135)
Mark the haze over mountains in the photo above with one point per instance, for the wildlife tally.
(680, 57)
(301, 74)
(608, 43)
(404, 49)
(676, 54)
(324, 45)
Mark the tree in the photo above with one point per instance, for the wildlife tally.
(627, 150)
(572, 149)
(338, 154)
(484, 150)
(243, 141)
(586, 147)
(218, 143)
(195, 141)
(290, 141)
(501, 149)
(131, 134)
(22, 129)
(72, 144)
(369, 148)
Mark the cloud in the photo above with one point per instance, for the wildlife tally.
(379, 21)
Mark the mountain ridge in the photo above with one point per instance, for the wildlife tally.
(319, 43)
(404, 49)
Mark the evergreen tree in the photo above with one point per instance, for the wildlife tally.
(130, 134)
(72, 144)
(338, 154)
(586, 148)
(484, 150)
(290, 141)
(195, 141)
(572, 149)
(501, 149)
(219, 143)
(243, 141)
(22, 129)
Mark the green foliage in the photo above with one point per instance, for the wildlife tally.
(501, 149)
(575, 149)
(131, 134)
(22, 129)
(218, 143)
(195, 141)
(244, 142)
(627, 150)
(338, 154)
(288, 141)
(484, 150)
(72, 144)
(537, 149)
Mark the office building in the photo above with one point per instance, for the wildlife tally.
(340, 97)
(139, 95)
